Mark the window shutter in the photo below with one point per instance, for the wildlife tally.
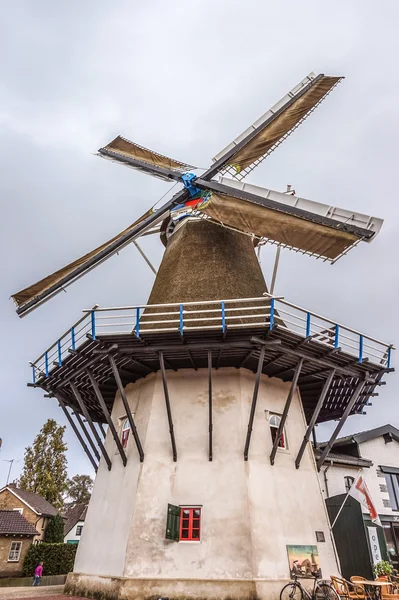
(173, 523)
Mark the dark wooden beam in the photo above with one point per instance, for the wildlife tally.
(190, 356)
(314, 418)
(88, 418)
(283, 371)
(246, 357)
(341, 423)
(76, 431)
(218, 358)
(87, 434)
(210, 403)
(324, 364)
(254, 400)
(126, 406)
(141, 365)
(168, 409)
(273, 360)
(286, 409)
(107, 416)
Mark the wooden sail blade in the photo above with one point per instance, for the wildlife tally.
(29, 298)
(251, 147)
(143, 159)
(299, 224)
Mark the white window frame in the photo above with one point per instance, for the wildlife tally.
(17, 549)
(81, 529)
(20, 510)
(269, 415)
(124, 420)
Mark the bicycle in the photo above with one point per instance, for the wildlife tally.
(322, 590)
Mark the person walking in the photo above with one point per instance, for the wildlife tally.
(38, 574)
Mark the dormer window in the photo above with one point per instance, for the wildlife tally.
(125, 432)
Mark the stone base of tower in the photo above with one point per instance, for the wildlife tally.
(250, 510)
(123, 588)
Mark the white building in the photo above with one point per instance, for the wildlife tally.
(375, 454)
(74, 522)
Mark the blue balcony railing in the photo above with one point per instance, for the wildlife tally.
(266, 311)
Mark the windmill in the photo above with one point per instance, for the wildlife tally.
(200, 387)
(263, 214)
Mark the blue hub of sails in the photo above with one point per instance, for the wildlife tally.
(188, 182)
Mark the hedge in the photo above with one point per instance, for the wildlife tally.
(58, 559)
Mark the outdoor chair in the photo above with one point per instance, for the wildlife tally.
(388, 592)
(348, 590)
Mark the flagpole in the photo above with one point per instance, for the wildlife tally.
(340, 510)
(345, 499)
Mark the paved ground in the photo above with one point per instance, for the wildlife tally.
(50, 592)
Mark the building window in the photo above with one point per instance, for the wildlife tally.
(392, 480)
(15, 551)
(274, 422)
(349, 481)
(79, 530)
(190, 524)
(125, 432)
(20, 510)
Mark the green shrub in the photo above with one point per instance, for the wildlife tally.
(55, 530)
(58, 559)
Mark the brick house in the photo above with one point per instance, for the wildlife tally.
(35, 509)
(16, 536)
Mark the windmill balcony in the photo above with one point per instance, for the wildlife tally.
(259, 315)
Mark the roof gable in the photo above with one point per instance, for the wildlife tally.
(13, 523)
(73, 515)
(366, 436)
(33, 501)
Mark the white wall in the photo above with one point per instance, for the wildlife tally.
(381, 454)
(71, 536)
(251, 510)
(336, 478)
(106, 531)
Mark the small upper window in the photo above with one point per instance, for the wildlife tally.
(15, 551)
(349, 481)
(79, 530)
(190, 524)
(274, 422)
(125, 432)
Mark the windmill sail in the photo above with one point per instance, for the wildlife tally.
(30, 297)
(300, 224)
(251, 147)
(137, 157)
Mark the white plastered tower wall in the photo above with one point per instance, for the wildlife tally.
(250, 510)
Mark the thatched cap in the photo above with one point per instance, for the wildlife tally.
(204, 261)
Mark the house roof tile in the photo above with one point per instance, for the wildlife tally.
(73, 515)
(35, 501)
(13, 523)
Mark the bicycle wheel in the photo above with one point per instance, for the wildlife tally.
(291, 591)
(325, 591)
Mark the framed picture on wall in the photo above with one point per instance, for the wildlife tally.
(304, 561)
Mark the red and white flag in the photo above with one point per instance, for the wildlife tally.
(360, 492)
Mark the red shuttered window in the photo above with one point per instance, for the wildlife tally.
(190, 524)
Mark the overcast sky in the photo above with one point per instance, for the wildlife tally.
(184, 78)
